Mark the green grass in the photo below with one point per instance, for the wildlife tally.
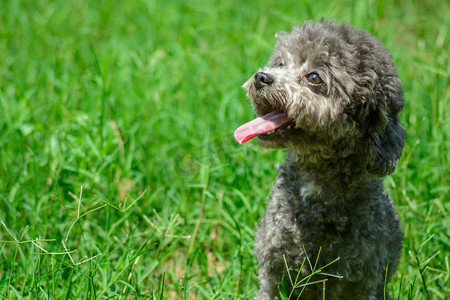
(119, 176)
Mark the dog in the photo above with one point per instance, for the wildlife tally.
(329, 96)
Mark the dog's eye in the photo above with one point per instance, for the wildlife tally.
(280, 65)
(314, 78)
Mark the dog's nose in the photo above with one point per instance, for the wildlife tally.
(262, 79)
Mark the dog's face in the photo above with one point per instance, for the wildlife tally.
(340, 89)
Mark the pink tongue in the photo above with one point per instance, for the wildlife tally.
(260, 125)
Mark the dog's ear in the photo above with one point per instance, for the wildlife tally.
(386, 135)
(385, 148)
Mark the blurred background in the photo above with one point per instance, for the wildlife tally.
(119, 174)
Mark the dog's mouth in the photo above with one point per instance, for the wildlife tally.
(270, 125)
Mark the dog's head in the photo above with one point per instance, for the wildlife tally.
(337, 92)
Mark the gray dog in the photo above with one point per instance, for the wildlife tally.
(330, 96)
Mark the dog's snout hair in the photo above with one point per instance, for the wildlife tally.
(340, 88)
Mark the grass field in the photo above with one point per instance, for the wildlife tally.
(119, 175)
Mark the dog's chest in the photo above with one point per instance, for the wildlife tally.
(305, 206)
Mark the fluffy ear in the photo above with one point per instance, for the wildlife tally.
(385, 148)
(385, 131)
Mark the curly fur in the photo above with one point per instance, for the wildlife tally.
(329, 194)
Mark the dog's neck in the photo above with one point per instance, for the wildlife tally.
(344, 176)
